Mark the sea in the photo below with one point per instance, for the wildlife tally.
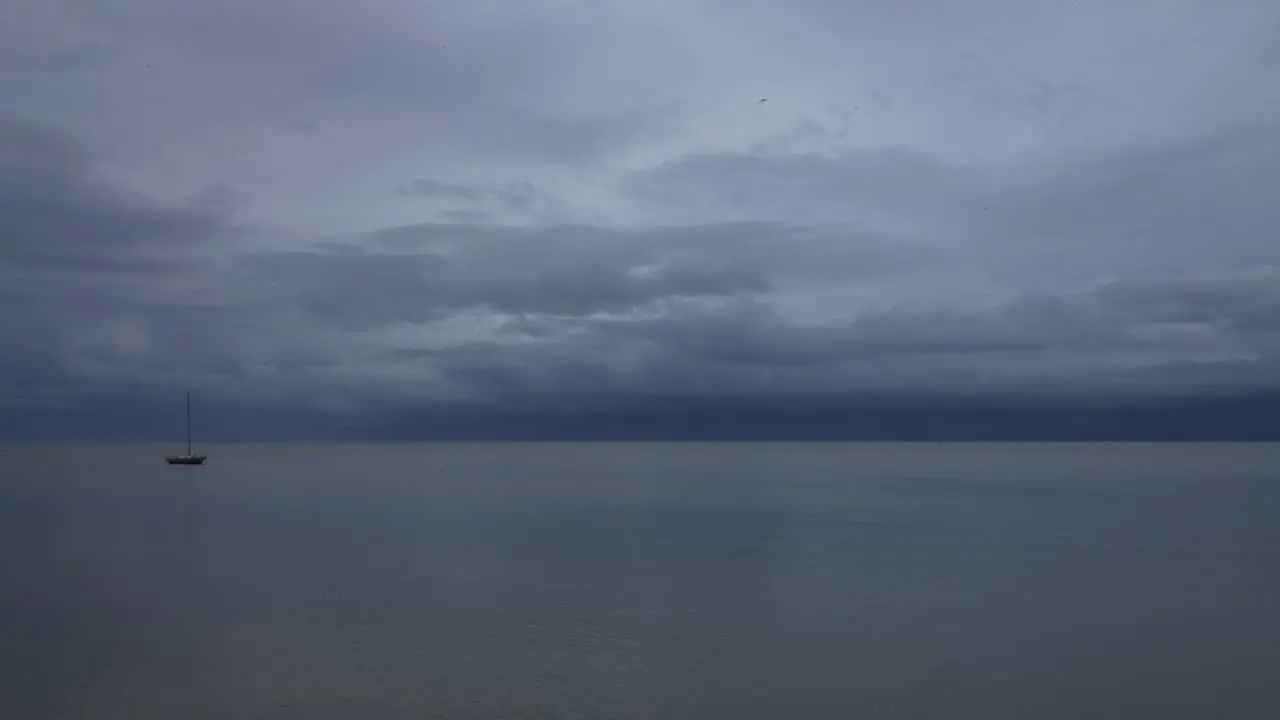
(641, 580)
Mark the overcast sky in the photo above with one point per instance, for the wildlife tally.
(368, 209)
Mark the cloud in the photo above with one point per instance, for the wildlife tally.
(435, 189)
(1113, 205)
(578, 316)
(88, 268)
(857, 185)
(520, 201)
(561, 208)
(1120, 338)
(577, 310)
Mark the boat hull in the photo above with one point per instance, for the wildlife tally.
(185, 459)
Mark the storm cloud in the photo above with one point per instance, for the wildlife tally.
(374, 218)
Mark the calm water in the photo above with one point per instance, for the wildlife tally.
(641, 581)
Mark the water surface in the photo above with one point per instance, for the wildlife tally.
(641, 581)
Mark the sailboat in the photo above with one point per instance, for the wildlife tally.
(188, 458)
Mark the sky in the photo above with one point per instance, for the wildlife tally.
(640, 218)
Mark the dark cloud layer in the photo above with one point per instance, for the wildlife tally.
(360, 228)
(114, 296)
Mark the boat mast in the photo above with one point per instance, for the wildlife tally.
(188, 422)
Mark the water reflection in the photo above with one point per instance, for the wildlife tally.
(641, 581)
